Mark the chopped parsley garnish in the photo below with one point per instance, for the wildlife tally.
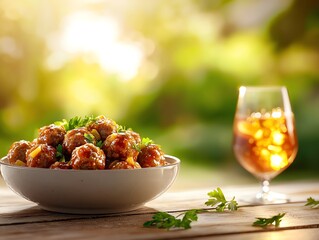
(75, 122)
(121, 128)
(144, 143)
(89, 137)
(99, 144)
(59, 153)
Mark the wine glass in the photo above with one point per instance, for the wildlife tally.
(265, 141)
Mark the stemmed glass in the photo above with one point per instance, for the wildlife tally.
(265, 141)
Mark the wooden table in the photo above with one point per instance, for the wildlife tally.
(21, 219)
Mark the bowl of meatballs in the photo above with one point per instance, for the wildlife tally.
(88, 165)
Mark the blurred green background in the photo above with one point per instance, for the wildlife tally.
(169, 69)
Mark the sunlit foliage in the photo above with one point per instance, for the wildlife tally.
(170, 69)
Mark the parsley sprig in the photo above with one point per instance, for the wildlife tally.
(75, 122)
(99, 144)
(264, 222)
(89, 137)
(59, 153)
(168, 221)
(122, 128)
(312, 202)
(144, 143)
(217, 198)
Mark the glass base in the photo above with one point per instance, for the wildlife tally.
(271, 198)
(265, 196)
(262, 198)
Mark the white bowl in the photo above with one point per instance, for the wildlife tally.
(90, 191)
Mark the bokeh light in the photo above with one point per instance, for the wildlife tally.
(169, 69)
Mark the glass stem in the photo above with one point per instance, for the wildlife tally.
(266, 196)
(265, 187)
(263, 196)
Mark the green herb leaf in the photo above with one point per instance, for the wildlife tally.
(168, 221)
(99, 144)
(59, 153)
(312, 202)
(75, 122)
(162, 220)
(188, 218)
(232, 205)
(121, 128)
(89, 137)
(145, 142)
(264, 222)
(217, 198)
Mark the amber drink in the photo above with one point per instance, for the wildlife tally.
(264, 141)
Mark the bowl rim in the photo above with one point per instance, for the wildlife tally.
(173, 161)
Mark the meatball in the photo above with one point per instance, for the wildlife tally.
(123, 165)
(52, 135)
(41, 156)
(151, 156)
(135, 135)
(75, 138)
(18, 151)
(120, 146)
(87, 156)
(103, 126)
(60, 165)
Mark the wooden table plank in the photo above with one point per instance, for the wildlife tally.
(130, 227)
(14, 209)
(302, 234)
(172, 201)
(21, 219)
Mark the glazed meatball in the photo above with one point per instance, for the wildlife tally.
(135, 135)
(120, 146)
(151, 156)
(52, 135)
(123, 165)
(74, 138)
(18, 151)
(88, 156)
(104, 127)
(60, 165)
(41, 156)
